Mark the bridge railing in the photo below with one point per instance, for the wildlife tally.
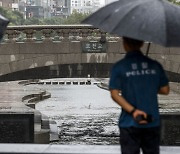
(61, 33)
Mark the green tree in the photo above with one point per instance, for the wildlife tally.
(18, 18)
(3, 12)
(33, 21)
(42, 21)
(15, 17)
(53, 21)
(74, 18)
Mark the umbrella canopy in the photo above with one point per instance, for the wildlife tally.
(3, 25)
(155, 21)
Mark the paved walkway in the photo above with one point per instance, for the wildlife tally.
(12, 92)
(70, 149)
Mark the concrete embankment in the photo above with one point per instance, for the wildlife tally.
(42, 135)
(18, 99)
(175, 86)
(31, 99)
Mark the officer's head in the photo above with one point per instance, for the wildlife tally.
(132, 44)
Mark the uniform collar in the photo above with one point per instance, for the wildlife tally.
(133, 53)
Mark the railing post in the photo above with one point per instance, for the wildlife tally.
(47, 34)
(74, 35)
(65, 35)
(97, 35)
(78, 34)
(29, 35)
(84, 33)
(11, 36)
(60, 34)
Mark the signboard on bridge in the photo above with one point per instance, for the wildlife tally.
(93, 47)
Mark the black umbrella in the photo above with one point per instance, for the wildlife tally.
(155, 21)
(3, 25)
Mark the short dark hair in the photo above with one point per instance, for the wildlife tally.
(133, 42)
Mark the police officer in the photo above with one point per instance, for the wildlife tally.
(134, 84)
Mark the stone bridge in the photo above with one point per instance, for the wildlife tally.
(70, 51)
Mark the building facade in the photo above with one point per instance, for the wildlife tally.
(49, 8)
(10, 4)
(38, 8)
(85, 6)
(61, 8)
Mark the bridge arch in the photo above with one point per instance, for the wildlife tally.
(75, 70)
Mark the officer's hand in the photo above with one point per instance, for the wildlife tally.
(140, 116)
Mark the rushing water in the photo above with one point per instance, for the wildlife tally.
(85, 114)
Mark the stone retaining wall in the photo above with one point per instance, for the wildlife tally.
(42, 124)
(175, 87)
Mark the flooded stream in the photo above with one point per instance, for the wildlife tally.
(85, 114)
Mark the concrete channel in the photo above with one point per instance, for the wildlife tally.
(16, 98)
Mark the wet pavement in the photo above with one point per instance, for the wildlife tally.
(12, 92)
(70, 149)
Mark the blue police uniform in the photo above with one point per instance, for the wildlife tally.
(139, 79)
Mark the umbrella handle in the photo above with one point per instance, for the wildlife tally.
(148, 47)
